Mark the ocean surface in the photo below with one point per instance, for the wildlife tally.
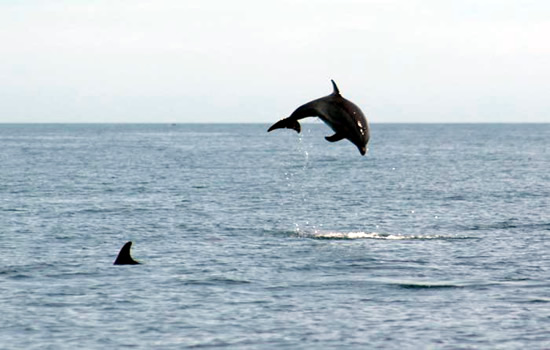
(439, 238)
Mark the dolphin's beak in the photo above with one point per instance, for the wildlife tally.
(363, 150)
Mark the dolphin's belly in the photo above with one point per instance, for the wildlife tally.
(337, 118)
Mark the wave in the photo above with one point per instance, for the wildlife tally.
(24, 271)
(427, 285)
(435, 284)
(216, 281)
(508, 225)
(375, 235)
(13, 210)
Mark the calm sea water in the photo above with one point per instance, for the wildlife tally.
(438, 238)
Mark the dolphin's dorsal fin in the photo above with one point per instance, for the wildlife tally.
(124, 257)
(336, 91)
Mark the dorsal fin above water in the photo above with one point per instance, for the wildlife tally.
(124, 257)
(335, 88)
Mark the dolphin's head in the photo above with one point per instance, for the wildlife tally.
(360, 134)
(361, 141)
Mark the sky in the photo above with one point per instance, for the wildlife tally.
(180, 61)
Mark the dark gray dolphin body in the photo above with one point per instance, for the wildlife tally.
(343, 116)
(124, 257)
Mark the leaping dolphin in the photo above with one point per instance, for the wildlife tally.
(343, 116)
(124, 257)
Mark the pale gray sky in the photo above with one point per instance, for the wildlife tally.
(255, 61)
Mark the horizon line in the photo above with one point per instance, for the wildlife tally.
(254, 123)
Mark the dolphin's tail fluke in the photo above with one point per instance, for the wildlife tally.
(287, 123)
(124, 257)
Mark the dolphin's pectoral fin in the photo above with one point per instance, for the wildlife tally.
(334, 138)
(287, 123)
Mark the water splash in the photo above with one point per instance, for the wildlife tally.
(303, 148)
(297, 174)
